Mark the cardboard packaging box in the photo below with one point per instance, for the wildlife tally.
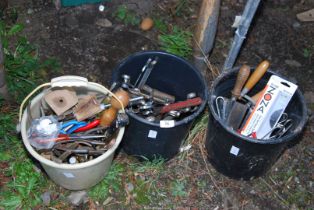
(269, 108)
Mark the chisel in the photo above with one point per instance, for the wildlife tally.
(255, 77)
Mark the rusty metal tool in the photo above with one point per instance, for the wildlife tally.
(158, 94)
(87, 107)
(63, 137)
(138, 92)
(179, 105)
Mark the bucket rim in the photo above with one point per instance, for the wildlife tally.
(198, 73)
(65, 166)
(285, 138)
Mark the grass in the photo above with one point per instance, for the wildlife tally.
(198, 127)
(126, 16)
(178, 42)
(146, 190)
(308, 52)
(153, 181)
(24, 69)
(172, 38)
(160, 25)
(120, 175)
(153, 166)
(294, 193)
(112, 181)
(23, 184)
(180, 7)
(178, 188)
(25, 188)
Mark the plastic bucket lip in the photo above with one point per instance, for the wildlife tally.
(50, 163)
(184, 120)
(285, 138)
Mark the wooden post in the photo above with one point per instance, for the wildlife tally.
(3, 86)
(205, 32)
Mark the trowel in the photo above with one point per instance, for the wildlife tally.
(242, 76)
(238, 111)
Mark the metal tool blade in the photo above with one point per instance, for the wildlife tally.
(237, 114)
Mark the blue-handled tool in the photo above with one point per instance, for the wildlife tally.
(70, 126)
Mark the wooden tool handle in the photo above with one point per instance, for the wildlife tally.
(180, 105)
(242, 76)
(255, 77)
(123, 96)
(108, 116)
(257, 96)
(159, 94)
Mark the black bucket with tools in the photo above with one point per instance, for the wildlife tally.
(174, 94)
(239, 156)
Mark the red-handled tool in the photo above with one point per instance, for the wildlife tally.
(88, 126)
(180, 105)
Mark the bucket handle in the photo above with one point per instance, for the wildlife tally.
(64, 81)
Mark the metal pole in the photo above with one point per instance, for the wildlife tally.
(245, 22)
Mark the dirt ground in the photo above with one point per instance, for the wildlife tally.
(86, 45)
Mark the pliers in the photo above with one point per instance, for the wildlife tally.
(70, 126)
(77, 126)
(89, 126)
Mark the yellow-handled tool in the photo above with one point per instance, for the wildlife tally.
(255, 77)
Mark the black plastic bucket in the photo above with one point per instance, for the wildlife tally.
(241, 157)
(172, 75)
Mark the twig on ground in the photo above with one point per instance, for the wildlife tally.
(283, 201)
(222, 192)
(214, 70)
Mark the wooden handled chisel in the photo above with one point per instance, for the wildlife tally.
(242, 76)
(255, 77)
(239, 110)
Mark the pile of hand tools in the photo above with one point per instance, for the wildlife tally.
(260, 116)
(75, 128)
(152, 104)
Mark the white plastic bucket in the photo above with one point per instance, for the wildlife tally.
(70, 176)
